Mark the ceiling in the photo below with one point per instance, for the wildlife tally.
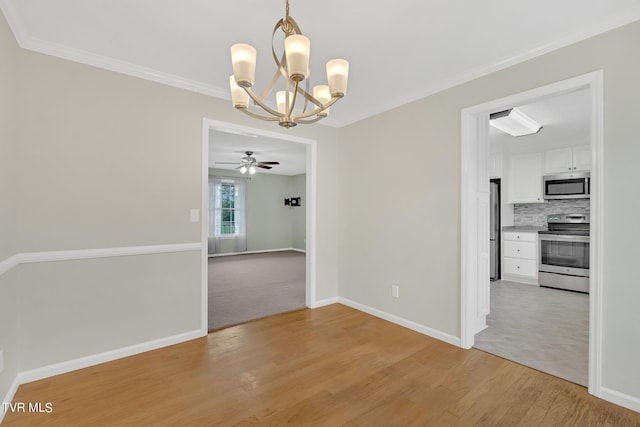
(231, 147)
(398, 51)
(565, 120)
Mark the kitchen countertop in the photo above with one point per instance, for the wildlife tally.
(535, 228)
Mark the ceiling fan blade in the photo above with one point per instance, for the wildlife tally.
(268, 163)
(227, 163)
(263, 166)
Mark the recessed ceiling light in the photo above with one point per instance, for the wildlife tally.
(514, 122)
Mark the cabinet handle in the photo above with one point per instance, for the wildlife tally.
(518, 267)
(518, 250)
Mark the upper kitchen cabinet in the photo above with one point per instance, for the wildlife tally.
(495, 165)
(525, 178)
(567, 159)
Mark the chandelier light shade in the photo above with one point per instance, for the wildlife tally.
(243, 58)
(293, 71)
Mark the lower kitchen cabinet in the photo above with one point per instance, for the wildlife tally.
(520, 256)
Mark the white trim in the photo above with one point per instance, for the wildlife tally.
(49, 48)
(204, 232)
(323, 302)
(13, 388)
(260, 251)
(302, 251)
(107, 356)
(30, 257)
(9, 263)
(488, 69)
(596, 235)
(433, 333)
(622, 399)
(77, 254)
(594, 82)
(311, 185)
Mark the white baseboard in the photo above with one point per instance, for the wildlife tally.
(262, 251)
(9, 396)
(621, 399)
(323, 302)
(107, 356)
(433, 333)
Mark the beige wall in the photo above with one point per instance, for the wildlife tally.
(298, 219)
(270, 224)
(91, 153)
(85, 307)
(8, 331)
(8, 206)
(8, 210)
(401, 224)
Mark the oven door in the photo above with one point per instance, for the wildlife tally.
(564, 254)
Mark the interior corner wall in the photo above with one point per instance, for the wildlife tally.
(9, 211)
(8, 185)
(90, 153)
(402, 227)
(270, 223)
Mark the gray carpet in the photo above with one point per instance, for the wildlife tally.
(545, 329)
(251, 286)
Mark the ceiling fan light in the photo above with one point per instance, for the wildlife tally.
(239, 97)
(252, 170)
(297, 49)
(514, 122)
(322, 94)
(243, 59)
(243, 169)
(337, 76)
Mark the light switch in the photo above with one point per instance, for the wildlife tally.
(194, 216)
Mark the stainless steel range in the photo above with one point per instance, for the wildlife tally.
(564, 253)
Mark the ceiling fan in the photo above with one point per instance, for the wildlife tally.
(249, 164)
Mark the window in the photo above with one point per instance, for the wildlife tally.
(227, 225)
(227, 215)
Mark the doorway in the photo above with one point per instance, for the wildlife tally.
(475, 296)
(210, 127)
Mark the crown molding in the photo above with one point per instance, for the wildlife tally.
(493, 67)
(62, 51)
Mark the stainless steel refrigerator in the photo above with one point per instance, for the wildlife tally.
(494, 229)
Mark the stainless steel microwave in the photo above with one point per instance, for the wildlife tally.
(570, 185)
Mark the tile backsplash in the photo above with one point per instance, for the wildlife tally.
(536, 213)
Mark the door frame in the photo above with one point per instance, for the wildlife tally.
(310, 206)
(475, 172)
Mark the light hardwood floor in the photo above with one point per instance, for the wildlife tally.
(329, 366)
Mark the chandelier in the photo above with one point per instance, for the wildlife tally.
(293, 67)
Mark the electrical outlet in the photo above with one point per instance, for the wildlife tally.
(395, 291)
(1, 361)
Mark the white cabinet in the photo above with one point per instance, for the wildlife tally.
(582, 158)
(525, 178)
(567, 159)
(495, 165)
(520, 256)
